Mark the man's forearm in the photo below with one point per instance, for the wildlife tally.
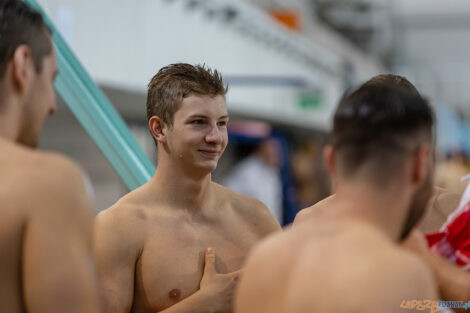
(195, 303)
(454, 282)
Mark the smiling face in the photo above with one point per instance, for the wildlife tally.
(198, 136)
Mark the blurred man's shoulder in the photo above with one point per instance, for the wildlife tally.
(45, 187)
(38, 173)
(260, 290)
(280, 248)
(313, 211)
(386, 274)
(442, 203)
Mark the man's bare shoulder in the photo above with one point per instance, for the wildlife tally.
(396, 271)
(43, 178)
(442, 203)
(446, 201)
(385, 273)
(272, 250)
(47, 191)
(267, 269)
(281, 247)
(126, 214)
(123, 225)
(241, 202)
(313, 211)
(38, 166)
(247, 207)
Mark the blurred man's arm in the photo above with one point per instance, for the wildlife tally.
(453, 282)
(58, 267)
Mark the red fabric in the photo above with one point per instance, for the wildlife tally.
(453, 242)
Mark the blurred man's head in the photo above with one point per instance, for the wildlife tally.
(379, 130)
(27, 68)
(269, 150)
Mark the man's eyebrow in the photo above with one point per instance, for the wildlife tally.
(205, 116)
(197, 116)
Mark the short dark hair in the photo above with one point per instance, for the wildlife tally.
(174, 82)
(379, 124)
(19, 24)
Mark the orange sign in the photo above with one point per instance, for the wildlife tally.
(291, 19)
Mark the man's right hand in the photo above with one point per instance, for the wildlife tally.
(218, 288)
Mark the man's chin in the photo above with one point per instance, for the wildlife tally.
(208, 166)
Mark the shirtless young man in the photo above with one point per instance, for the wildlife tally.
(347, 258)
(45, 216)
(152, 246)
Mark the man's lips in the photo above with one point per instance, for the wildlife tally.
(209, 152)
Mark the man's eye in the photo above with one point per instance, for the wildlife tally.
(197, 122)
(222, 123)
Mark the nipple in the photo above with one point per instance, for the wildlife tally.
(174, 294)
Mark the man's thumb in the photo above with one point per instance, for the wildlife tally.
(209, 266)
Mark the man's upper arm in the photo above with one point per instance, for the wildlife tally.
(116, 251)
(58, 269)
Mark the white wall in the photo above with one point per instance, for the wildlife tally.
(123, 43)
(434, 46)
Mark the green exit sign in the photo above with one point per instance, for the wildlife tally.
(310, 100)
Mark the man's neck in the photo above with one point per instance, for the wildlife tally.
(178, 189)
(9, 120)
(385, 209)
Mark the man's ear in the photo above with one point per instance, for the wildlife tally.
(22, 68)
(420, 165)
(329, 159)
(158, 128)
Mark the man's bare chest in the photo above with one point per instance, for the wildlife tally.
(171, 265)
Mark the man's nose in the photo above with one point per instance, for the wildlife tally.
(215, 135)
